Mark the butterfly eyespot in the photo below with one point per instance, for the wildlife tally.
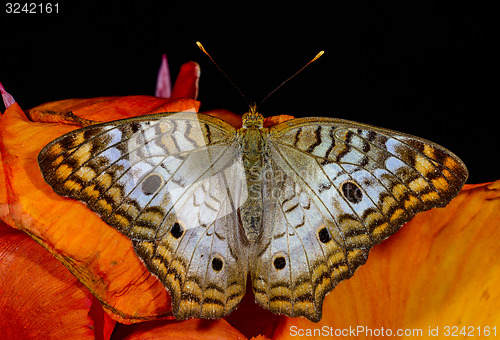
(324, 235)
(352, 192)
(217, 264)
(151, 184)
(279, 262)
(177, 230)
(135, 127)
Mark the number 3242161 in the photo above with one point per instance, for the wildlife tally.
(31, 8)
(470, 331)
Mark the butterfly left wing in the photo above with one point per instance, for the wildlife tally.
(334, 189)
(166, 181)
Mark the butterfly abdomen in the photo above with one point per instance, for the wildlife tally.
(252, 141)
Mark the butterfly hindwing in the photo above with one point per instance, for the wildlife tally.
(302, 256)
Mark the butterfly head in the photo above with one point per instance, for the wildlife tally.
(253, 118)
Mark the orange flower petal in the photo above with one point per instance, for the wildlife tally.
(4, 207)
(76, 111)
(40, 299)
(188, 329)
(227, 116)
(187, 82)
(270, 121)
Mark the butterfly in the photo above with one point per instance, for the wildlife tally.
(295, 207)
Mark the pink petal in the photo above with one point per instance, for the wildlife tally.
(8, 100)
(163, 84)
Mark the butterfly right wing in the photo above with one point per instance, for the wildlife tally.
(166, 181)
(334, 189)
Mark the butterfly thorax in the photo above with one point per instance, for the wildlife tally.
(252, 143)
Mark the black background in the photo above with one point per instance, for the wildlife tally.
(422, 69)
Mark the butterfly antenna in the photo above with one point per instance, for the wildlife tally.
(293, 75)
(224, 73)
